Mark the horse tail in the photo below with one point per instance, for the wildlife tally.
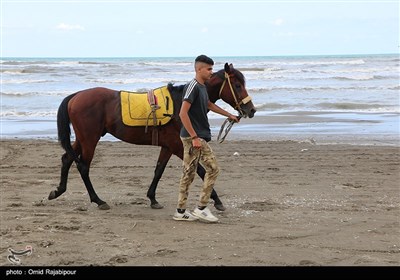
(63, 127)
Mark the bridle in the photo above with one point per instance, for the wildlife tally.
(237, 104)
(223, 132)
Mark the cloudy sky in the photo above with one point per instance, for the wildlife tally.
(186, 28)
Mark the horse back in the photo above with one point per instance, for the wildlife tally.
(93, 95)
(95, 105)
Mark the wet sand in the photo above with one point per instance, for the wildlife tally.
(289, 203)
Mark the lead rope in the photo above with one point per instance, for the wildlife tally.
(223, 132)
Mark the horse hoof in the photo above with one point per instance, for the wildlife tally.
(220, 207)
(104, 206)
(156, 206)
(52, 195)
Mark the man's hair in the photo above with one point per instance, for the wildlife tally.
(205, 59)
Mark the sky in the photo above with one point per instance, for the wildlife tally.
(187, 28)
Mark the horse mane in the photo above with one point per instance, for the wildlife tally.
(176, 94)
(175, 89)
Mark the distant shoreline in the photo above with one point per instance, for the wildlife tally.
(317, 127)
(216, 57)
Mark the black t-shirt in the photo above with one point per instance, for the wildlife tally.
(196, 94)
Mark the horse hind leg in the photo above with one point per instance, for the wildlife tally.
(66, 161)
(83, 167)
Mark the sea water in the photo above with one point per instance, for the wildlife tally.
(305, 95)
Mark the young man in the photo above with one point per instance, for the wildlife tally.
(195, 134)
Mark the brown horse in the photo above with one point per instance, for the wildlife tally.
(97, 111)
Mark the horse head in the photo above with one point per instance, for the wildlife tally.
(228, 84)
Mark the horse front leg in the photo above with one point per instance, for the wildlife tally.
(163, 158)
(214, 196)
(66, 162)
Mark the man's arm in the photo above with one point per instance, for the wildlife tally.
(216, 109)
(183, 114)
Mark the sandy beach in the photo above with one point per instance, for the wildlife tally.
(289, 203)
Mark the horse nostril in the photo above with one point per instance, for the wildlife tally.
(252, 112)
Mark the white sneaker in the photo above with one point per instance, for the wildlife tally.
(186, 216)
(205, 215)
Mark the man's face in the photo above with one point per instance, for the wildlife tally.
(204, 70)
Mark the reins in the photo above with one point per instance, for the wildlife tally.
(223, 132)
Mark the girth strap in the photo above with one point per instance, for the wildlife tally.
(154, 106)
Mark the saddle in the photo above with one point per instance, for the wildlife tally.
(153, 108)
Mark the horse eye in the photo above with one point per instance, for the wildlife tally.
(238, 85)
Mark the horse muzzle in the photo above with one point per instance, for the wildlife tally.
(248, 110)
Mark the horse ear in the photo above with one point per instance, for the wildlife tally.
(227, 69)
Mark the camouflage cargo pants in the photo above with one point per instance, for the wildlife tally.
(191, 158)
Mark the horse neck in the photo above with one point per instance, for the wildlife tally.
(213, 88)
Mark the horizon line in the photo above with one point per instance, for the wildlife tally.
(187, 56)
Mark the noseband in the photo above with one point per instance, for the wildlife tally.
(237, 104)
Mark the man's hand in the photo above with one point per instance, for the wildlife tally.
(233, 118)
(196, 143)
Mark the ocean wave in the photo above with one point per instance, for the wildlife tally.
(51, 61)
(270, 106)
(26, 81)
(12, 71)
(300, 75)
(328, 107)
(286, 84)
(396, 87)
(388, 69)
(257, 69)
(165, 64)
(27, 114)
(287, 70)
(263, 108)
(338, 88)
(23, 62)
(364, 77)
(153, 80)
(44, 70)
(313, 63)
(349, 106)
(36, 93)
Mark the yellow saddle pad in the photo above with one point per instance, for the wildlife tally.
(137, 111)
